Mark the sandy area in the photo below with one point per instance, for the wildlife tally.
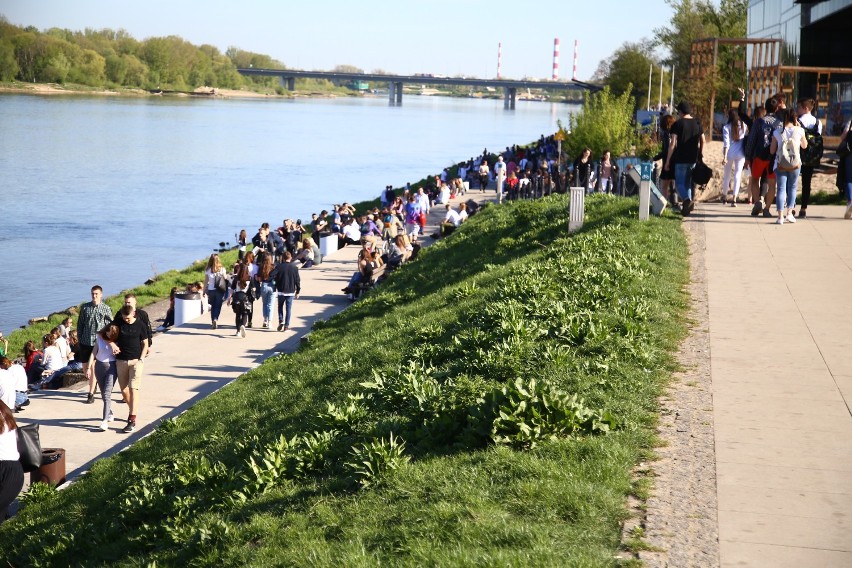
(57, 89)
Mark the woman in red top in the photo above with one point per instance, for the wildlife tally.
(33, 364)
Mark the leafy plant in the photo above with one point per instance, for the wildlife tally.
(372, 461)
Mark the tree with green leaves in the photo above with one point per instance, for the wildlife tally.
(626, 71)
(604, 123)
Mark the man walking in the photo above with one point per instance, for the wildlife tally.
(288, 285)
(761, 161)
(686, 146)
(93, 317)
(814, 127)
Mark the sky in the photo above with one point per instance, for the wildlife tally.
(442, 37)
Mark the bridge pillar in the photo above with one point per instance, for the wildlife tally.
(509, 94)
(395, 93)
(291, 83)
(399, 93)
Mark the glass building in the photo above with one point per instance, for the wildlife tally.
(814, 33)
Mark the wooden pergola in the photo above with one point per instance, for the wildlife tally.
(766, 76)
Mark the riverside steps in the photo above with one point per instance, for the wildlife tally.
(192, 361)
(780, 327)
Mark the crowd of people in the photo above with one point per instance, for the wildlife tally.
(777, 144)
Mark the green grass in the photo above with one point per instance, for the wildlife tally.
(484, 406)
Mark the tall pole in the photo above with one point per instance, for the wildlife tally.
(660, 98)
(671, 99)
(499, 58)
(650, 73)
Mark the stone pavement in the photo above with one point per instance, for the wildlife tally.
(780, 322)
(192, 361)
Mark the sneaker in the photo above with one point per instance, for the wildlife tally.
(803, 213)
(130, 428)
(848, 214)
(286, 327)
(790, 218)
(779, 221)
(686, 208)
(766, 212)
(248, 325)
(90, 399)
(111, 417)
(33, 387)
(723, 199)
(242, 331)
(758, 207)
(213, 325)
(237, 333)
(103, 427)
(280, 327)
(266, 325)
(733, 203)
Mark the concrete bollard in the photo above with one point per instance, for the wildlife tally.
(576, 209)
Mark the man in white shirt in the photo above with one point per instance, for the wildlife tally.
(500, 176)
(351, 234)
(451, 221)
(810, 123)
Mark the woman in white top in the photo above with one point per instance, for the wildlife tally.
(215, 296)
(786, 176)
(11, 473)
(102, 363)
(733, 158)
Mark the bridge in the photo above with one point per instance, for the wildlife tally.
(287, 78)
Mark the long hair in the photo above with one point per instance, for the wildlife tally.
(29, 349)
(790, 116)
(243, 276)
(214, 265)
(266, 266)
(109, 332)
(7, 419)
(735, 122)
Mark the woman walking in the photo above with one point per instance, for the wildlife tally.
(267, 287)
(733, 156)
(667, 186)
(787, 140)
(239, 298)
(607, 174)
(11, 472)
(583, 170)
(102, 365)
(214, 275)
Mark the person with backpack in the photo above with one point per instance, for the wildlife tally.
(759, 158)
(686, 146)
(787, 143)
(813, 153)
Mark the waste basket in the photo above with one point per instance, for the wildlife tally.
(328, 244)
(52, 470)
(187, 307)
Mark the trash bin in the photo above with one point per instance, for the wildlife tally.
(52, 468)
(328, 244)
(187, 307)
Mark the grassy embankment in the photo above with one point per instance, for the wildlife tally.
(483, 406)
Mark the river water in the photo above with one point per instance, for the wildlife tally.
(112, 190)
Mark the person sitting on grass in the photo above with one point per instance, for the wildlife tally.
(398, 253)
(364, 272)
(451, 221)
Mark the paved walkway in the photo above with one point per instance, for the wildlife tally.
(192, 361)
(780, 305)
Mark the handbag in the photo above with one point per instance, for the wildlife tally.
(220, 282)
(701, 173)
(29, 446)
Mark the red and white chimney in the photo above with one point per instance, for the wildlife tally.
(576, 48)
(555, 76)
(499, 58)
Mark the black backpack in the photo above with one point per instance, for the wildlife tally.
(812, 155)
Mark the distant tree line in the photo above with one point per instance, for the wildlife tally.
(109, 58)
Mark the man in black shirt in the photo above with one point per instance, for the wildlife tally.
(132, 344)
(685, 148)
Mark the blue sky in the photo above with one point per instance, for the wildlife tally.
(443, 37)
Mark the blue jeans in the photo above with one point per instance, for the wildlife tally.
(267, 292)
(215, 299)
(21, 398)
(683, 180)
(282, 300)
(787, 183)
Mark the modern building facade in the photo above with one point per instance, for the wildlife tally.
(814, 33)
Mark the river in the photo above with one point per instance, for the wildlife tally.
(112, 190)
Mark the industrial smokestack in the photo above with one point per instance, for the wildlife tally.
(555, 59)
(576, 48)
(499, 58)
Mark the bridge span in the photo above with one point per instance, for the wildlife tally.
(287, 78)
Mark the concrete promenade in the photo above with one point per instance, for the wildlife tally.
(192, 361)
(780, 311)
